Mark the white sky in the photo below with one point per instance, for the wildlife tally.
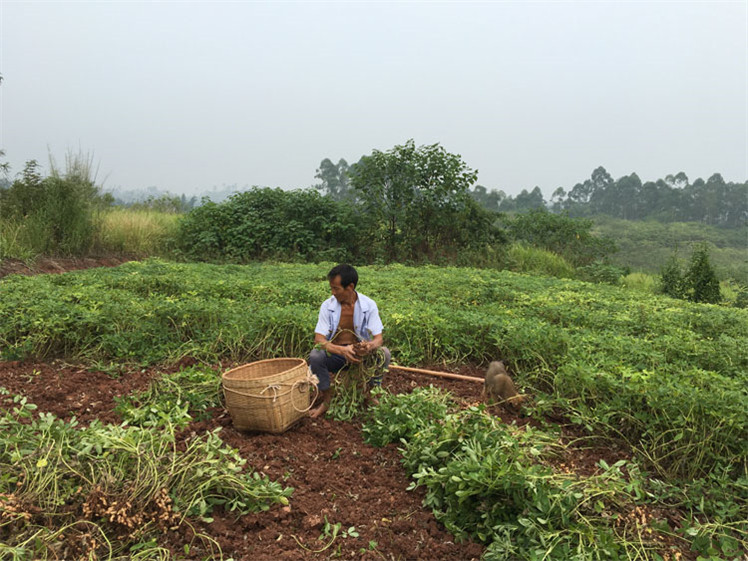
(188, 95)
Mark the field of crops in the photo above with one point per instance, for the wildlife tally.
(661, 382)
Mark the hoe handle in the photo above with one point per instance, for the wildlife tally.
(438, 374)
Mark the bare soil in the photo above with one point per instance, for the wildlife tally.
(336, 476)
(46, 265)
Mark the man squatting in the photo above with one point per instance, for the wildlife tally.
(346, 319)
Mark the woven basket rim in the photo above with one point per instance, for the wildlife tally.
(262, 395)
(246, 371)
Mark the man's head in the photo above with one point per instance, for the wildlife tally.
(343, 280)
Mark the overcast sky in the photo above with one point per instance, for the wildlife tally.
(186, 96)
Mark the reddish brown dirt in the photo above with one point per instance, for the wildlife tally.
(56, 264)
(338, 478)
(334, 473)
(71, 390)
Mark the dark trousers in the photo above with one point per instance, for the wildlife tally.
(322, 364)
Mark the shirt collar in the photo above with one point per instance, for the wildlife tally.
(361, 300)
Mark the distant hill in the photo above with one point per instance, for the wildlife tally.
(127, 197)
(647, 245)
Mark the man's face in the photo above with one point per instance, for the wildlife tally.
(341, 294)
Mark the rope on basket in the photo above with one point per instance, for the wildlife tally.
(310, 379)
(313, 381)
(275, 388)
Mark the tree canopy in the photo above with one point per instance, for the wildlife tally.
(417, 202)
(671, 199)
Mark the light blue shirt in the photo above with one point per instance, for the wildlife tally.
(366, 321)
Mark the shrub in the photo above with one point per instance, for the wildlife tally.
(698, 284)
(672, 282)
(700, 278)
(601, 272)
(571, 238)
(55, 214)
(640, 281)
(266, 223)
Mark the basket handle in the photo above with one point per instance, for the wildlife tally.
(311, 401)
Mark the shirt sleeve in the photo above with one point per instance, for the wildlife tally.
(323, 322)
(374, 324)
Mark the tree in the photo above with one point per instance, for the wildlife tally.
(334, 180)
(623, 196)
(488, 199)
(698, 284)
(529, 200)
(4, 166)
(557, 199)
(700, 278)
(672, 282)
(418, 202)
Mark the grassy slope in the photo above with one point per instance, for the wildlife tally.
(647, 245)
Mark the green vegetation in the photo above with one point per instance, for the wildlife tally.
(408, 204)
(417, 205)
(646, 246)
(50, 215)
(672, 199)
(568, 237)
(173, 401)
(68, 491)
(642, 366)
(270, 224)
(666, 377)
(507, 487)
(698, 283)
(144, 233)
(66, 214)
(522, 258)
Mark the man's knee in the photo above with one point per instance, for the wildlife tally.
(317, 359)
(318, 366)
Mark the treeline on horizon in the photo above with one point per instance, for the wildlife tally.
(672, 199)
(410, 204)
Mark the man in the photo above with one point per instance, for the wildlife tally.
(348, 329)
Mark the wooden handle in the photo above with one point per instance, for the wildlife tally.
(438, 374)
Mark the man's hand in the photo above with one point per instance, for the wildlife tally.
(349, 353)
(362, 348)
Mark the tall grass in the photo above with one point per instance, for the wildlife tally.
(525, 259)
(14, 243)
(643, 282)
(136, 232)
(142, 233)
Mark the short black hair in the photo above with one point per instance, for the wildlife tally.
(348, 275)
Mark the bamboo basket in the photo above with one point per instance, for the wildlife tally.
(268, 395)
